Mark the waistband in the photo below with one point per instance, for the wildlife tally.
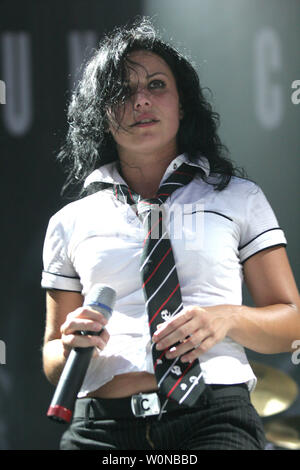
(144, 405)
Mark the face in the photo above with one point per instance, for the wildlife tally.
(149, 121)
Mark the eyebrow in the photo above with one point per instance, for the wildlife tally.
(151, 75)
(156, 73)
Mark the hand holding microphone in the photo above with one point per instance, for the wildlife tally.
(101, 298)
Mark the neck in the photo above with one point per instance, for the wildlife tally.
(144, 175)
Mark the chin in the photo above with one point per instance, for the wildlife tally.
(152, 145)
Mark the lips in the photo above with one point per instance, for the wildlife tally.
(144, 120)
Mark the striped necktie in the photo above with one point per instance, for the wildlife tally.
(182, 382)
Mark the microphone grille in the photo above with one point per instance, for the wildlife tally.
(101, 293)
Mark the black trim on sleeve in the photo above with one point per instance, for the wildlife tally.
(263, 249)
(61, 275)
(212, 212)
(63, 290)
(269, 230)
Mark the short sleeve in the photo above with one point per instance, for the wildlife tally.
(58, 270)
(260, 229)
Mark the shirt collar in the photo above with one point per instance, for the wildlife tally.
(109, 173)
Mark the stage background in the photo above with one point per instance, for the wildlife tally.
(247, 53)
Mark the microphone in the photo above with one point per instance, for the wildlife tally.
(101, 298)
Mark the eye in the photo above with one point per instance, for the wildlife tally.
(156, 84)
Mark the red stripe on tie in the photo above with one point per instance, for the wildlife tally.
(160, 357)
(156, 313)
(165, 255)
(181, 173)
(152, 227)
(150, 203)
(130, 195)
(180, 379)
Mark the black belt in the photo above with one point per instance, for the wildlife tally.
(149, 404)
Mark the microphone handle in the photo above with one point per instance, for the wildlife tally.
(101, 298)
(70, 382)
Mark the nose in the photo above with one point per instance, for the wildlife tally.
(141, 99)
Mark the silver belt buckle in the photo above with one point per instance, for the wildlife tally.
(145, 404)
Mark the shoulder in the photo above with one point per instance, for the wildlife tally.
(77, 209)
(242, 200)
(237, 191)
(245, 200)
(237, 185)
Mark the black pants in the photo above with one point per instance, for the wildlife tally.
(224, 420)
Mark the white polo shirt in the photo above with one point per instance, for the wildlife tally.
(99, 239)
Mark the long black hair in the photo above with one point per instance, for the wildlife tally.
(89, 144)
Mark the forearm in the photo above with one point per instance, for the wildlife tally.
(267, 330)
(65, 317)
(54, 359)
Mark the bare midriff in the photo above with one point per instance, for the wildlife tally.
(125, 385)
